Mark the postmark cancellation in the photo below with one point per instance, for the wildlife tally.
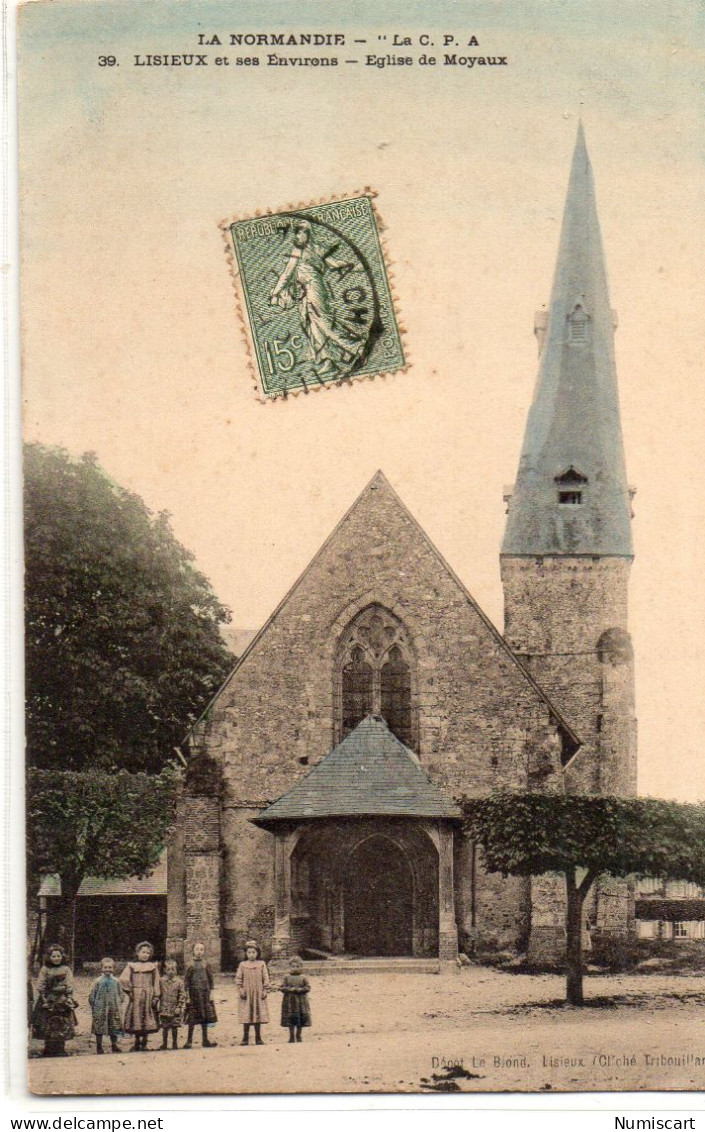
(315, 294)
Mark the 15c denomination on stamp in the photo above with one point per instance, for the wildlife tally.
(317, 303)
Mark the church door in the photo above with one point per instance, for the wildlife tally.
(379, 900)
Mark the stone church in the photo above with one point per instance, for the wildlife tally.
(320, 812)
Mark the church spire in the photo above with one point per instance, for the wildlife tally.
(571, 496)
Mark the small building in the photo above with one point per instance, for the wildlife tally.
(670, 910)
(111, 915)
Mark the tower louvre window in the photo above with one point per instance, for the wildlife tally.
(578, 323)
(570, 487)
(571, 498)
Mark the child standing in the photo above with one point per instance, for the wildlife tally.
(105, 1001)
(200, 1010)
(252, 981)
(171, 1005)
(140, 981)
(53, 1017)
(296, 1011)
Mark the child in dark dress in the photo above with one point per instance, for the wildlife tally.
(53, 1017)
(296, 1011)
(200, 1010)
(171, 1004)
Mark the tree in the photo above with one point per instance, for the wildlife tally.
(123, 648)
(96, 823)
(531, 834)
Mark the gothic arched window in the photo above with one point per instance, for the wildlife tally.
(375, 674)
(395, 694)
(357, 690)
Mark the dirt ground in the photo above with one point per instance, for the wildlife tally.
(479, 1030)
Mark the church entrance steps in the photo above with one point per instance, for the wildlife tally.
(343, 965)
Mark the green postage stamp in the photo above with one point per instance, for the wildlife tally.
(317, 303)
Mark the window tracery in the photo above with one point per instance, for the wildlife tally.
(375, 674)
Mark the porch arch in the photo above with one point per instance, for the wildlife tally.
(365, 888)
(379, 894)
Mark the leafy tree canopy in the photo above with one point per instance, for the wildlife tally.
(530, 834)
(123, 648)
(98, 823)
(95, 823)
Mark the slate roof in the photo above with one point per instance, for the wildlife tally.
(370, 774)
(153, 885)
(574, 420)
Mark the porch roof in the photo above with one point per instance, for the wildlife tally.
(369, 774)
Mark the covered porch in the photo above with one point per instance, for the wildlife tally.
(363, 855)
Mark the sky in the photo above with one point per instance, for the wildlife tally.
(131, 345)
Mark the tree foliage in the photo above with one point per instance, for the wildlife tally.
(531, 834)
(123, 648)
(96, 823)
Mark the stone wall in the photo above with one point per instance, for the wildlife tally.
(194, 879)
(482, 726)
(492, 911)
(248, 879)
(618, 726)
(548, 927)
(567, 619)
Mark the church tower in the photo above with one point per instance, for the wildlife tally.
(567, 548)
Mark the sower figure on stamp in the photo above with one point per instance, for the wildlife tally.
(296, 1011)
(200, 1010)
(252, 981)
(140, 981)
(171, 1004)
(105, 1001)
(304, 280)
(53, 1017)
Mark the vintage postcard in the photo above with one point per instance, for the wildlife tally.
(364, 728)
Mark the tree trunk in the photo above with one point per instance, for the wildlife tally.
(65, 919)
(574, 939)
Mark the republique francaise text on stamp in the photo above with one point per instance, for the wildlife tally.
(317, 302)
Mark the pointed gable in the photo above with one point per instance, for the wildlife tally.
(574, 418)
(369, 774)
(377, 552)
